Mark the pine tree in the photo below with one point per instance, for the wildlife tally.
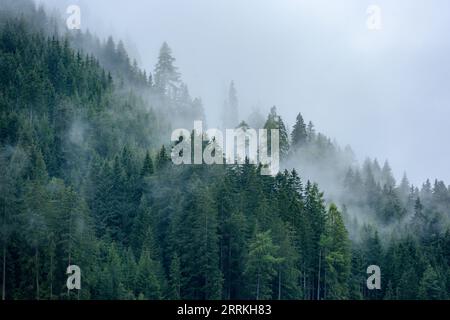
(147, 283)
(274, 121)
(175, 278)
(11, 170)
(299, 134)
(431, 286)
(404, 188)
(231, 109)
(337, 256)
(286, 282)
(373, 254)
(130, 272)
(167, 78)
(311, 132)
(114, 218)
(261, 265)
(162, 159)
(198, 244)
(316, 213)
(387, 178)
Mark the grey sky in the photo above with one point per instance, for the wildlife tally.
(386, 93)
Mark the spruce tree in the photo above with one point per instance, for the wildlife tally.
(337, 256)
(231, 109)
(147, 283)
(274, 121)
(167, 77)
(175, 278)
(261, 266)
(299, 134)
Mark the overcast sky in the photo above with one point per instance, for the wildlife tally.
(386, 93)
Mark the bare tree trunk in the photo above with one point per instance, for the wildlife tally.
(206, 250)
(221, 241)
(4, 255)
(257, 287)
(37, 272)
(4, 271)
(279, 284)
(70, 248)
(318, 277)
(304, 281)
(51, 277)
(229, 269)
(179, 287)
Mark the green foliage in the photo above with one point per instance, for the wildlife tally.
(274, 121)
(261, 265)
(337, 255)
(299, 135)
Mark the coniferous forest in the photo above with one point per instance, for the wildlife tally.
(86, 179)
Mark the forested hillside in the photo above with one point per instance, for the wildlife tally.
(86, 179)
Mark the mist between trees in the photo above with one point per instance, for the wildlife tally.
(243, 145)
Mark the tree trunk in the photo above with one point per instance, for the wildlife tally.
(4, 271)
(37, 272)
(279, 284)
(304, 281)
(206, 250)
(51, 277)
(318, 277)
(4, 256)
(70, 248)
(257, 287)
(229, 269)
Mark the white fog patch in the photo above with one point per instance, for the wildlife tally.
(77, 133)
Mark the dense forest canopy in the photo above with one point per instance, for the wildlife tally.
(86, 178)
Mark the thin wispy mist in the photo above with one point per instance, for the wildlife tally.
(383, 92)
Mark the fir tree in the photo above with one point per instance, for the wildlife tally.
(299, 134)
(167, 78)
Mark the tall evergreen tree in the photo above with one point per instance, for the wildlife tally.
(167, 77)
(299, 134)
(274, 121)
(261, 265)
(231, 109)
(337, 256)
